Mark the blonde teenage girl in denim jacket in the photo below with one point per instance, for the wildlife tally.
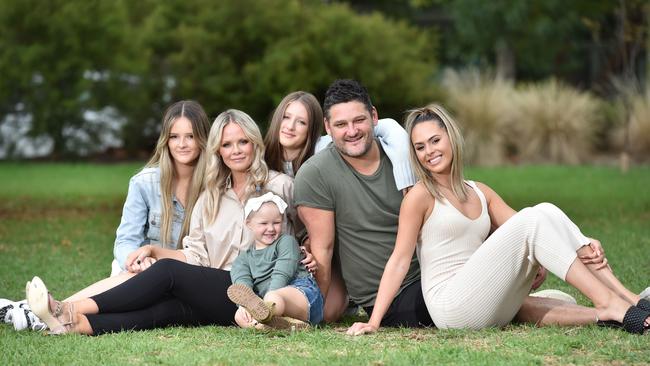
(142, 218)
(156, 203)
(161, 194)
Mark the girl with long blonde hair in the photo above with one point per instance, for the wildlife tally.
(163, 193)
(159, 200)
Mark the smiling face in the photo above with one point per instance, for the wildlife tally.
(236, 150)
(294, 128)
(351, 127)
(182, 146)
(266, 224)
(432, 147)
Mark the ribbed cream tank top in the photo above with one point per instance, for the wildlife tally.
(447, 241)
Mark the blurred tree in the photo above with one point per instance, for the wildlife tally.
(526, 39)
(55, 54)
(396, 62)
(62, 58)
(142, 93)
(248, 54)
(585, 42)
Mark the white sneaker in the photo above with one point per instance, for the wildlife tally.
(23, 318)
(555, 294)
(5, 306)
(5, 309)
(645, 294)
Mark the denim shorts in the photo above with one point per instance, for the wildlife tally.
(310, 289)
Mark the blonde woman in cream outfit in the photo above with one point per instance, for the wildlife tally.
(470, 280)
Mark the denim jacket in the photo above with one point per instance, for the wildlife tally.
(142, 214)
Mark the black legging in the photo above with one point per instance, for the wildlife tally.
(170, 292)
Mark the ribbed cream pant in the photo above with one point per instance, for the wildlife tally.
(491, 287)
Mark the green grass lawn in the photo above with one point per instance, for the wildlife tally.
(58, 221)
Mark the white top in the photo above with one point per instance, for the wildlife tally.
(447, 240)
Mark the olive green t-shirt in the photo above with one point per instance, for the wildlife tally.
(366, 210)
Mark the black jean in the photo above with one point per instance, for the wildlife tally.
(169, 293)
(408, 309)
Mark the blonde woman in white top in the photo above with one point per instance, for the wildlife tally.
(470, 280)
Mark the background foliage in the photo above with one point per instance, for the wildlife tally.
(62, 59)
(79, 76)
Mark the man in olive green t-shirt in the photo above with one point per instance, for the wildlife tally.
(347, 198)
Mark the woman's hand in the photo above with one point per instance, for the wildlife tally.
(143, 265)
(359, 328)
(309, 262)
(597, 256)
(244, 319)
(136, 263)
(244, 316)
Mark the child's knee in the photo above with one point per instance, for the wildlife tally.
(272, 296)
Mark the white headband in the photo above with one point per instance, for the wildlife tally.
(254, 204)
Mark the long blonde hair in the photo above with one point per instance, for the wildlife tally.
(163, 160)
(435, 113)
(218, 174)
(274, 155)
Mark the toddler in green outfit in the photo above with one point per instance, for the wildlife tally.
(270, 286)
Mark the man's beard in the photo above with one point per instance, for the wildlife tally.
(366, 148)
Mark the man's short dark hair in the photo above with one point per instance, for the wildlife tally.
(343, 91)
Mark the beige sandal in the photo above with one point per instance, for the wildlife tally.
(59, 316)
